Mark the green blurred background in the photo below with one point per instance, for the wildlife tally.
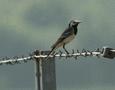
(26, 25)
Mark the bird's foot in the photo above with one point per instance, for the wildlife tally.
(67, 52)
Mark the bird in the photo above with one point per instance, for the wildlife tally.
(67, 36)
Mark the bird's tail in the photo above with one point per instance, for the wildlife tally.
(52, 50)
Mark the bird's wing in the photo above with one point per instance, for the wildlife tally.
(69, 31)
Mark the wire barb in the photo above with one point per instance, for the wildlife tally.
(106, 52)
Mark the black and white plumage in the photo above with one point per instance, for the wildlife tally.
(67, 36)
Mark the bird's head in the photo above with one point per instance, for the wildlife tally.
(74, 23)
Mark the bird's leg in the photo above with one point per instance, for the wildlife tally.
(65, 48)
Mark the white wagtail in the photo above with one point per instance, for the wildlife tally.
(67, 36)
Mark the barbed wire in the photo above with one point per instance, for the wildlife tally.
(105, 52)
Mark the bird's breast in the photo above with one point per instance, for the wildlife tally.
(68, 39)
(65, 41)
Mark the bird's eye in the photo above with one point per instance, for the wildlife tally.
(73, 23)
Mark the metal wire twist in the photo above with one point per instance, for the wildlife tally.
(104, 52)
